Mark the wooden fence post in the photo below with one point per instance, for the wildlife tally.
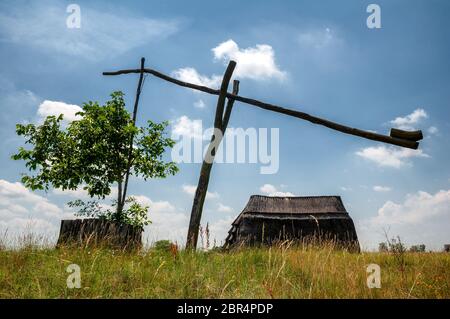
(202, 187)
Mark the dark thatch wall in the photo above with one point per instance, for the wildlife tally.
(266, 220)
(269, 230)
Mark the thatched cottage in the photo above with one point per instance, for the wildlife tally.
(267, 219)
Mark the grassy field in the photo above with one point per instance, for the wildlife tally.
(279, 272)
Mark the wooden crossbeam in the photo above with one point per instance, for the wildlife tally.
(394, 140)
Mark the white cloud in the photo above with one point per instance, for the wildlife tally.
(433, 130)
(421, 218)
(415, 209)
(81, 193)
(14, 98)
(167, 222)
(48, 209)
(29, 226)
(318, 38)
(184, 126)
(271, 190)
(219, 230)
(224, 209)
(321, 48)
(102, 34)
(200, 104)
(160, 207)
(18, 106)
(282, 194)
(16, 191)
(257, 63)
(390, 156)
(190, 189)
(68, 111)
(268, 188)
(346, 189)
(378, 188)
(191, 75)
(22, 211)
(409, 121)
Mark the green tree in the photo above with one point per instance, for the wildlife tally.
(417, 248)
(94, 152)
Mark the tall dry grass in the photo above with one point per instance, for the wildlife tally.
(283, 271)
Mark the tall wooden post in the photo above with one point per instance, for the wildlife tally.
(130, 152)
(219, 130)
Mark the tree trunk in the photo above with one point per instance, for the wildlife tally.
(119, 200)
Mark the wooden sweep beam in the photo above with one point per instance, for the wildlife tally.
(399, 141)
(406, 135)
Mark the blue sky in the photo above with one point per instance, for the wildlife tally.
(315, 57)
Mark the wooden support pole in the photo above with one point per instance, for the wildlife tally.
(205, 171)
(271, 107)
(130, 151)
(229, 108)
